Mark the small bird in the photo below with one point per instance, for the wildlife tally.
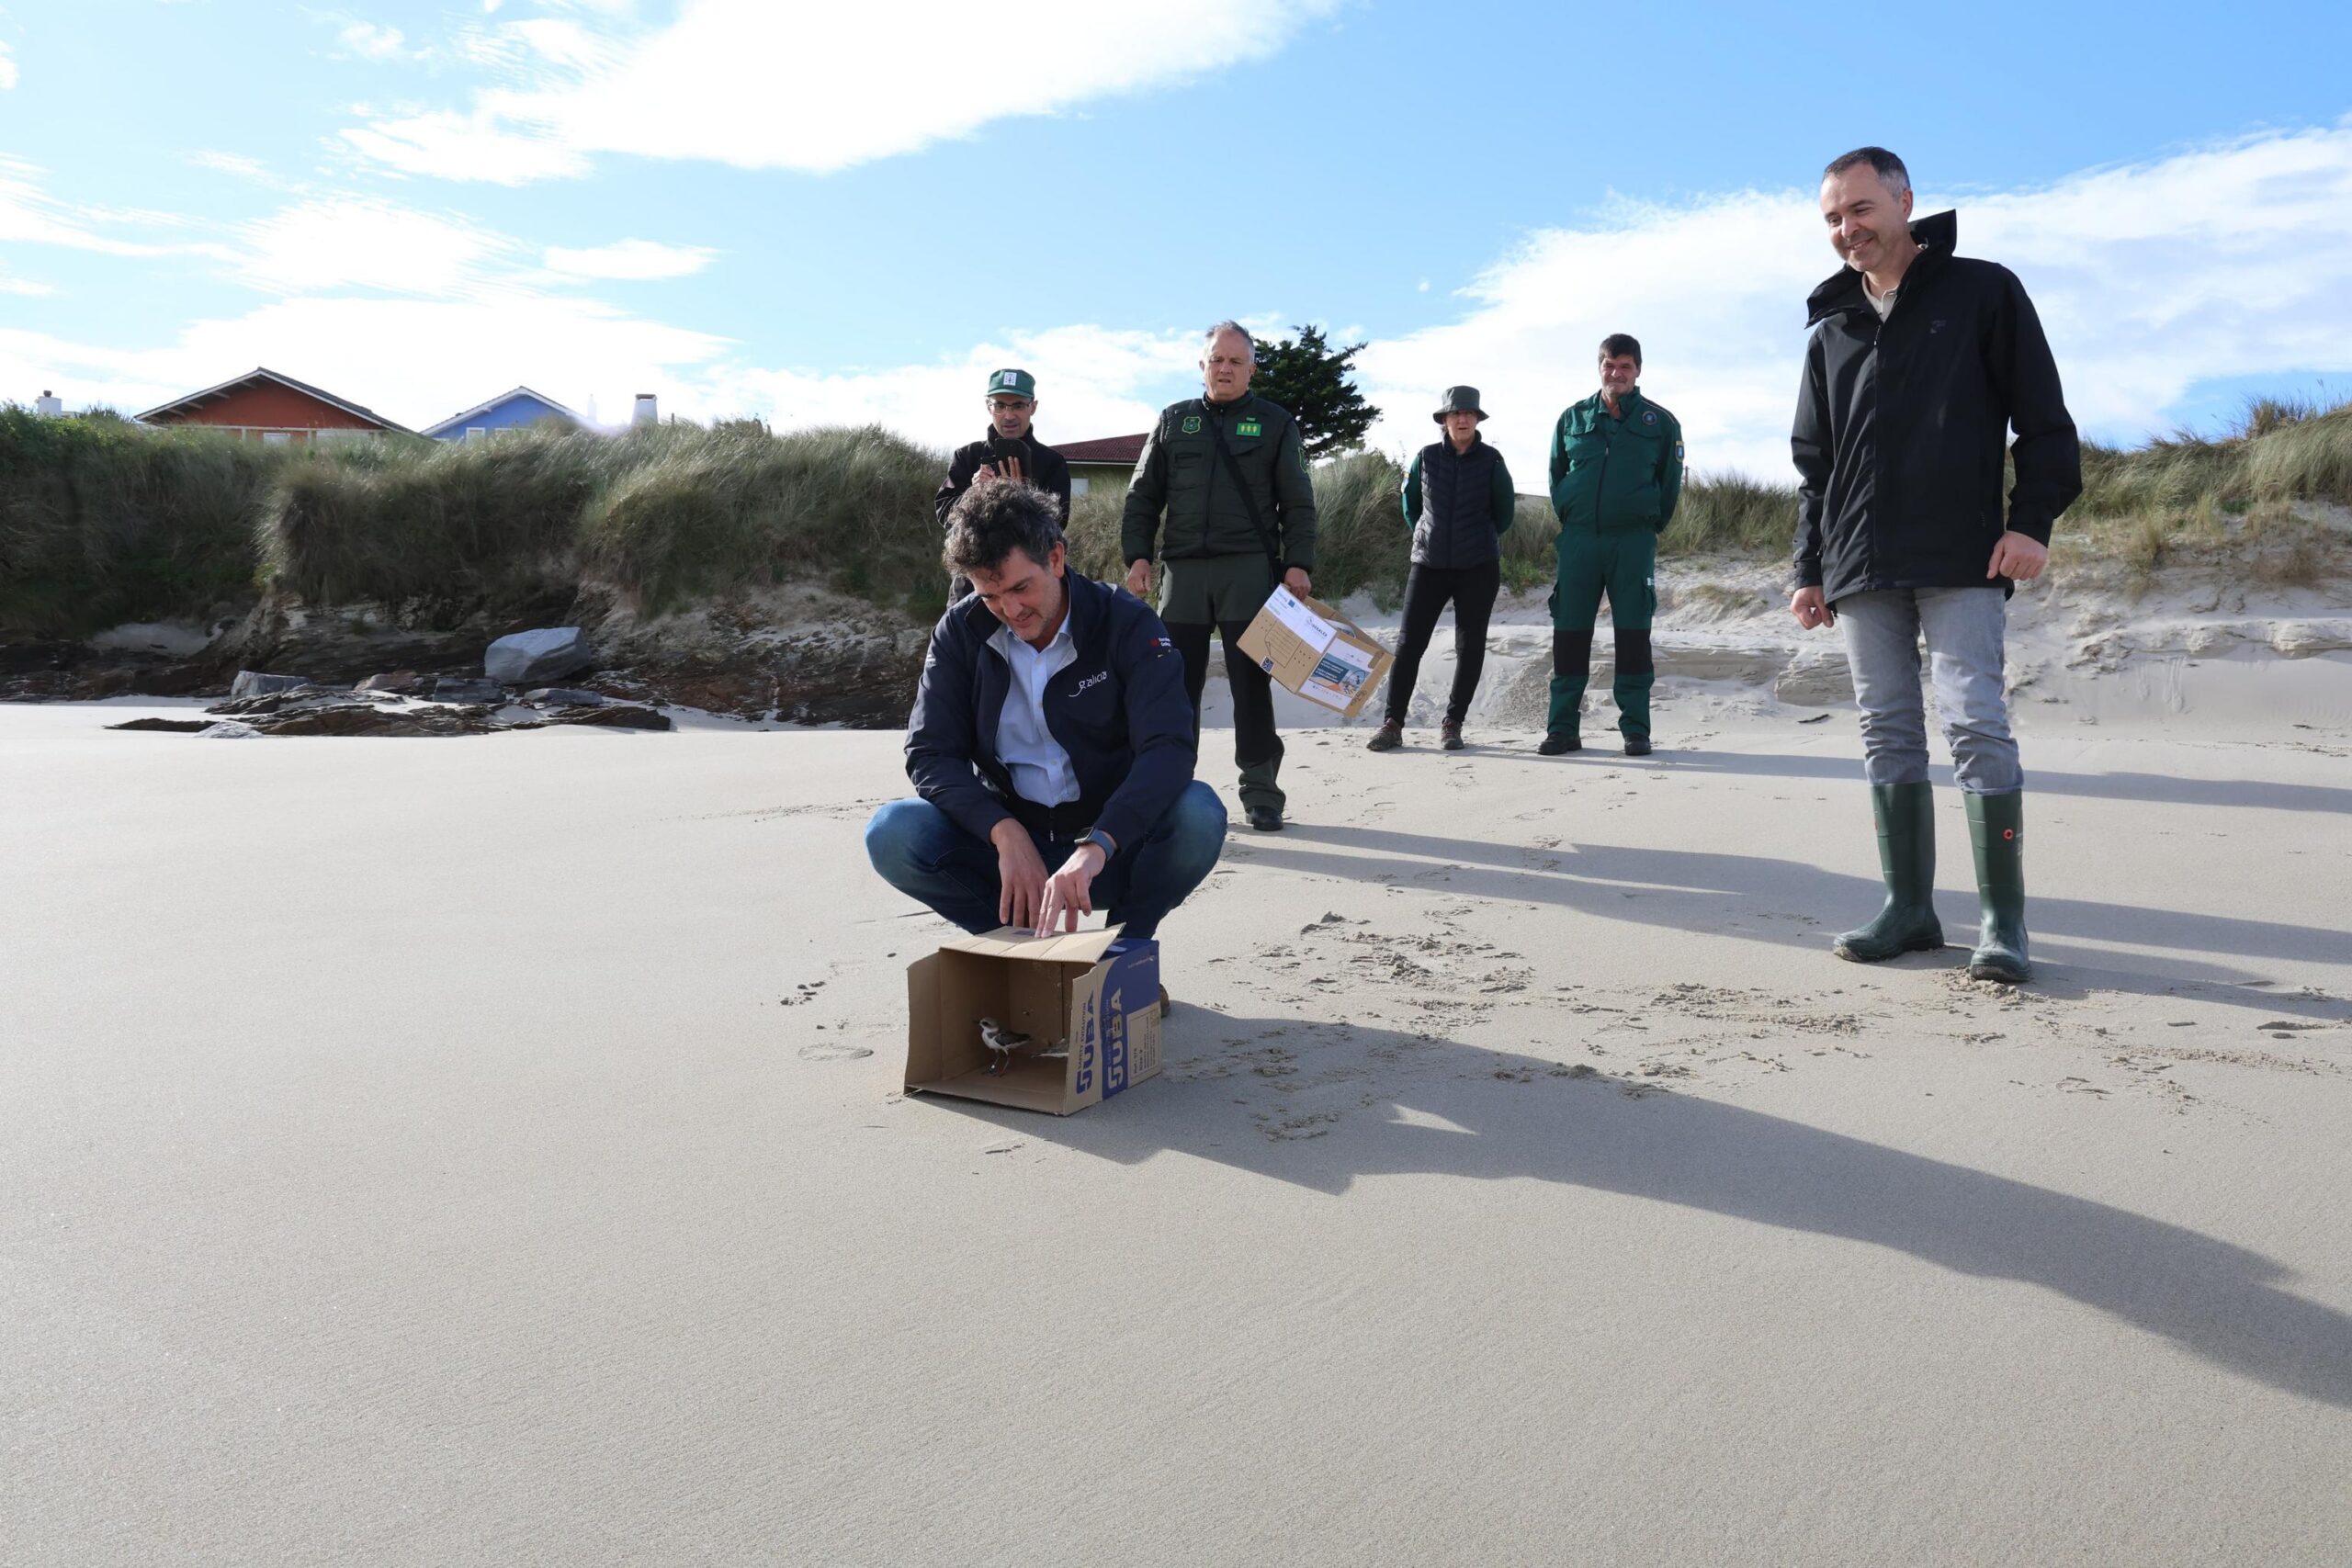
(1001, 1042)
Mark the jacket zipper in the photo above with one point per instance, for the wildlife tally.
(1600, 483)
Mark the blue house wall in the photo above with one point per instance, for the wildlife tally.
(513, 413)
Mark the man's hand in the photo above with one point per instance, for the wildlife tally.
(1297, 581)
(1811, 609)
(1069, 891)
(984, 474)
(1020, 871)
(1139, 579)
(2018, 558)
(1011, 469)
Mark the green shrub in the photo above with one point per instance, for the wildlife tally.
(697, 512)
(103, 522)
(448, 522)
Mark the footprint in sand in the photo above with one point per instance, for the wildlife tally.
(833, 1051)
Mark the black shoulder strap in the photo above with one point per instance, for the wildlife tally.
(1249, 502)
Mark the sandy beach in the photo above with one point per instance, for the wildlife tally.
(491, 1151)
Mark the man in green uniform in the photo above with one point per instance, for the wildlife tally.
(1229, 472)
(1616, 474)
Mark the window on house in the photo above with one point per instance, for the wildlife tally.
(477, 432)
(1076, 486)
(277, 437)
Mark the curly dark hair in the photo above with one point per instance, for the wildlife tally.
(988, 521)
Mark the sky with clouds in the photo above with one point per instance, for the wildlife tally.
(827, 214)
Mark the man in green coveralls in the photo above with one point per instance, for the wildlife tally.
(1616, 474)
(1229, 470)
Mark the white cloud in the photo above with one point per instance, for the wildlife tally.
(235, 163)
(813, 88)
(24, 285)
(2149, 278)
(30, 215)
(1091, 382)
(372, 41)
(629, 260)
(2152, 277)
(8, 69)
(348, 241)
(413, 360)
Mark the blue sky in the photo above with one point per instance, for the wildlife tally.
(820, 214)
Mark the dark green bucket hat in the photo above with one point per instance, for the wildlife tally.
(1012, 384)
(1458, 400)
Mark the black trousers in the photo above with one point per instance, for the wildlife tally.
(1472, 590)
(1257, 749)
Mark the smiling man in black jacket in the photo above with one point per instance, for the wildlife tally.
(1920, 364)
(1051, 728)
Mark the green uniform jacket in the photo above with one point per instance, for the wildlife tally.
(1181, 474)
(1616, 473)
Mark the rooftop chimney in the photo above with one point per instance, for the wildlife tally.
(646, 413)
(48, 406)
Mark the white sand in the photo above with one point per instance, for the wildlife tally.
(409, 1161)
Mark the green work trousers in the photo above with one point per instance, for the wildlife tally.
(1622, 564)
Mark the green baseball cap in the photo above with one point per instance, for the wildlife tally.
(1012, 384)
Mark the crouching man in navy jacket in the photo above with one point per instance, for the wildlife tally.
(1051, 743)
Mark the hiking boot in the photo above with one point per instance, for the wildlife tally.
(1996, 830)
(1555, 743)
(1906, 858)
(1449, 735)
(1637, 744)
(1388, 737)
(1265, 818)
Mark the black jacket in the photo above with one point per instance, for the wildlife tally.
(1119, 709)
(1900, 426)
(1459, 505)
(1040, 466)
(1182, 474)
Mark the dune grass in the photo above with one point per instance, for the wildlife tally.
(103, 522)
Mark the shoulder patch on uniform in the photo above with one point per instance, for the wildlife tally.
(1249, 427)
(1649, 416)
(1191, 424)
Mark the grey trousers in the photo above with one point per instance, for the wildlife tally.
(1963, 628)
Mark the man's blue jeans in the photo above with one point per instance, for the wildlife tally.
(920, 851)
(1963, 629)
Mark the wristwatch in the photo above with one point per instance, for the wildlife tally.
(1097, 836)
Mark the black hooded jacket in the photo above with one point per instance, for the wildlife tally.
(1040, 466)
(1901, 426)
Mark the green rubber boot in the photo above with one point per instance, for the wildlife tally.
(1907, 857)
(1997, 827)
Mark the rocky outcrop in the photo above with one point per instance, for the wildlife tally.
(793, 655)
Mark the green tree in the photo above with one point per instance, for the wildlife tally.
(1312, 379)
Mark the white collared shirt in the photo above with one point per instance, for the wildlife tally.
(1882, 303)
(1040, 768)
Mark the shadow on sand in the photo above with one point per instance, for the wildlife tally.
(1527, 1118)
(1799, 904)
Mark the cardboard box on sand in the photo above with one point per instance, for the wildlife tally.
(1311, 648)
(1089, 1001)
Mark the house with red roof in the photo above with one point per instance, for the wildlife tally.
(263, 405)
(1108, 463)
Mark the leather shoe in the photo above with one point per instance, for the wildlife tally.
(1265, 818)
(1637, 744)
(1555, 744)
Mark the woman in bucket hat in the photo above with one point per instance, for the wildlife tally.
(1458, 499)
